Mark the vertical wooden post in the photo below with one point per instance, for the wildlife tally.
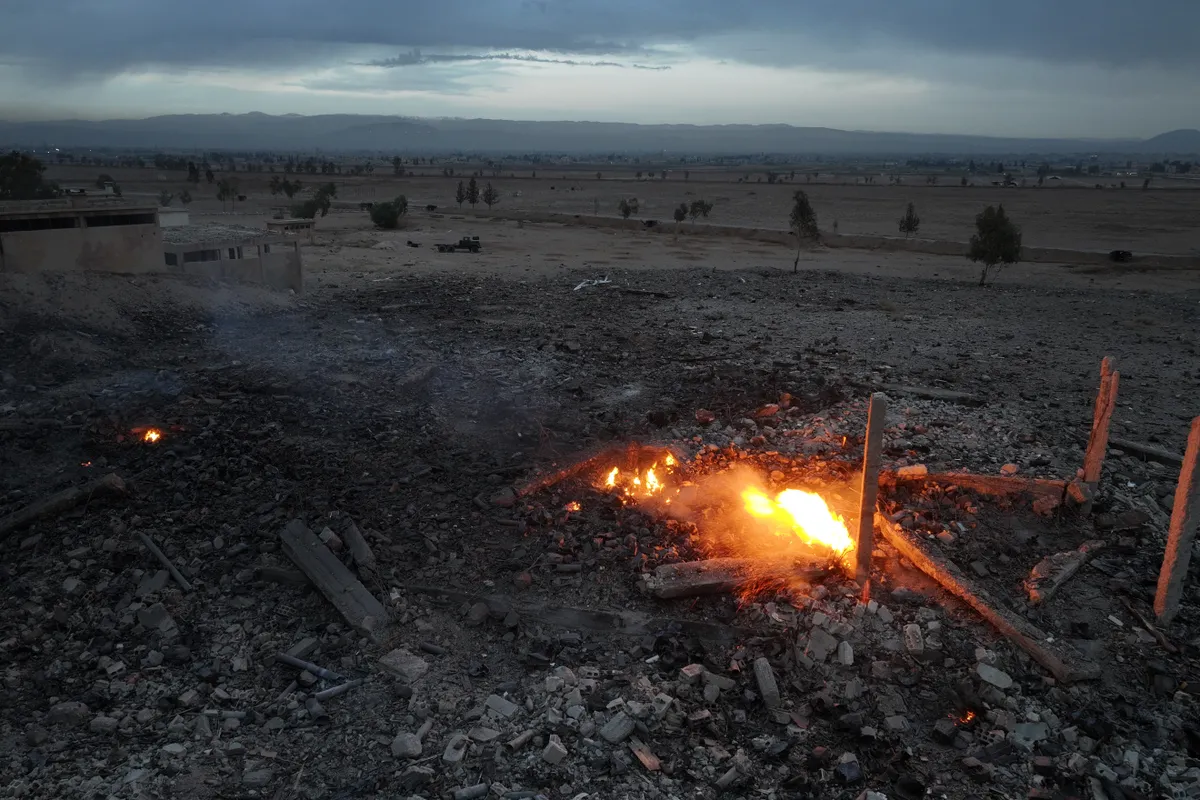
(876, 419)
(1185, 516)
(1097, 447)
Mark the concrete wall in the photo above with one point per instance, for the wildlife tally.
(173, 217)
(111, 248)
(854, 241)
(279, 269)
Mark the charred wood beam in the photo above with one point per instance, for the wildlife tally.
(110, 484)
(1064, 664)
(724, 575)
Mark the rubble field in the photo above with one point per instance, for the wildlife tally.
(490, 633)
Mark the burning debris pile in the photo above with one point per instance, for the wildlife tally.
(670, 621)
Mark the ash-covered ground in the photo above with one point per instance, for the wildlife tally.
(532, 664)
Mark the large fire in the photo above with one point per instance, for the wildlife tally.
(795, 512)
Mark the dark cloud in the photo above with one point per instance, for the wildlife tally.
(415, 57)
(81, 38)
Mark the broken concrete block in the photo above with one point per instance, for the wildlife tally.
(617, 729)
(404, 665)
(555, 751)
(998, 678)
(768, 689)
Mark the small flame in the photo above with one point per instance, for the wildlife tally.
(802, 513)
(572, 506)
(965, 718)
(86, 464)
(611, 481)
(152, 435)
(670, 460)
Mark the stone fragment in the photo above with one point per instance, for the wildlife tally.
(944, 731)
(153, 582)
(820, 644)
(691, 673)
(914, 641)
(1027, 734)
(258, 778)
(477, 614)
(727, 780)
(203, 730)
(406, 745)
(845, 653)
(520, 740)
(555, 751)
(72, 587)
(998, 678)
(482, 734)
(456, 749)
(617, 729)
(504, 708)
(897, 723)
(472, 792)
(156, 618)
(768, 689)
(404, 665)
(70, 714)
(103, 724)
(174, 749)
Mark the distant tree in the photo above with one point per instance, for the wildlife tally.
(965, 182)
(193, 173)
(1145, 184)
(165, 198)
(397, 165)
(598, 176)
(490, 196)
(387, 215)
(284, 186)
(681, 213)
(624, 208)
(323, 197)
(460, 194)
(699, 208)
(185, 197)
(687, 175)
(910, 223)
(996, 242)
(803, 221)
(971, 165)
(639, 175)
(227, 191)
(472, 192)
(103, 179)
(306, 210)
(209, 176)
(663, 174)
(1041, 180)
(21, 178)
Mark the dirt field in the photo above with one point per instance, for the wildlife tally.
(412, 394)
(1061, 215)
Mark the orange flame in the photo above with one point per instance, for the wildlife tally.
(965, 718)
(572, 506)
(801, 513)
(635, 484)
(151, 435)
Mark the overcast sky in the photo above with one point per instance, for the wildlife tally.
(1104, 68)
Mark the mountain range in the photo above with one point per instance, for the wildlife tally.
(394, 134)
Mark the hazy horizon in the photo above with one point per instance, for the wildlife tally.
(1101, 69)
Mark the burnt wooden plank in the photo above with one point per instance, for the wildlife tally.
(347, 594)
(1064, 663)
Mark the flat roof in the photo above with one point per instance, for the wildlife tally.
(27, 210)
(215, 235)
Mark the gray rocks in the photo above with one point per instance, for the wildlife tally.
(156, 618)
(768, 689)
(69, 714)
(103, 724)
(820, 644)
(404, 665)
(617, 729)
(555, 751)
(914, 642)
(406, 745)
(258, 778)
(504, 708)
(998, 678)
(456, 748)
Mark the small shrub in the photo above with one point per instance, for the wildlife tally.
(996, 242)
(387, 215)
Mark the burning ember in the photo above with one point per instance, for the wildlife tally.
(151, 435)
(635, 483)
(964, 719)
(572, 506)
(800, 513)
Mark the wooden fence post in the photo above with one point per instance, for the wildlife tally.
(1185, 515)
(1097, 447)
(876, 420)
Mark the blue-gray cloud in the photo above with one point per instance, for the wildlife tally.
(81, 38)
(415, 57)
